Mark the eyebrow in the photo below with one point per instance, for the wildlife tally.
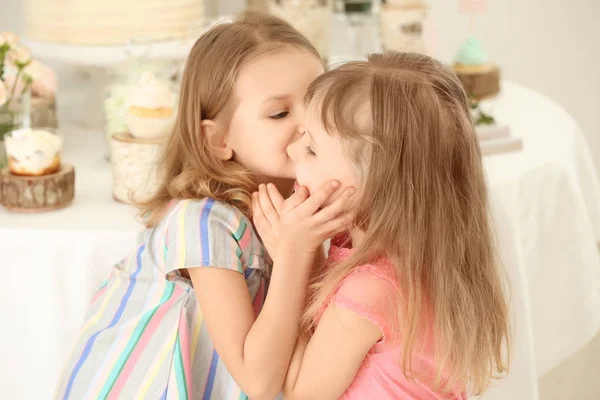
(277, 97)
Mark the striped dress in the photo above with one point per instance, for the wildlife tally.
(144, 335)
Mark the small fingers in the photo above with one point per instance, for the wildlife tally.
(342, 223)
(276, 197)
(317, 199)
(299, 197)
(267, 206)
(337, 207)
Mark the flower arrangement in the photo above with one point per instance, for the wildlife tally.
(15, 79)
(20, 74)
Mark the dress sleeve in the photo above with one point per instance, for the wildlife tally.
(372, 295)
(202, 233)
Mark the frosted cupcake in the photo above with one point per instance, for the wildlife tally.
(33, 152)
(151, 112)
(480, 78)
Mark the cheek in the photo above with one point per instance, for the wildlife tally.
(277, 139)
(310, 176)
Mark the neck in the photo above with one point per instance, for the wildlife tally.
(285, 186)
(357, 237)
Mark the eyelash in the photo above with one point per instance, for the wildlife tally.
(309, 151)
(280, 115)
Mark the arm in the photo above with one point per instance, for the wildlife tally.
(355, 320)
(256, 351)
(326, 366)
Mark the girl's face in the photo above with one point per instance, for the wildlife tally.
(320, 156)
(270, 110)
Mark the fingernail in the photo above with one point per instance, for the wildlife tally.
(335, 184)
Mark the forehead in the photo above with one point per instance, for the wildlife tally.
(284, 71)
(344, 116)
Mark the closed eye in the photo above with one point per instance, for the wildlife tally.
(280, 115)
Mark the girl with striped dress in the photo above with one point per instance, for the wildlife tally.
(178, 318)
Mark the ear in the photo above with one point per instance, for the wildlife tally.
(216, 139)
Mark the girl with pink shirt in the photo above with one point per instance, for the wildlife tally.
(411, 302)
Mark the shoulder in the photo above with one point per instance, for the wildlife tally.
(371, 291)
(206, 212)
(372, 282)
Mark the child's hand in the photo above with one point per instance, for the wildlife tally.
(271, 212)
(267, 207)
(306, 223)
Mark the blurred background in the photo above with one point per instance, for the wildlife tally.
(530, 67)
(549, 45)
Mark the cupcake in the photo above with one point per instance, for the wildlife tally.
(33, 152)
(151, 111)
(480, 78)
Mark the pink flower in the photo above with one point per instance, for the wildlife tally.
(9, 37)
(3, 95)
(18, 56)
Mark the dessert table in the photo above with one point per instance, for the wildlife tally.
(545, 203)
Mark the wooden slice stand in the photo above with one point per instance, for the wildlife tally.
(133, 163)
(481, 85)
(37, 193)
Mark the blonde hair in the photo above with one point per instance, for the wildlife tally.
(423, 204)
(188, 168)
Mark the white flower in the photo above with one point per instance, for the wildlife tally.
(18, 55)
(3, 94)
(9, 37)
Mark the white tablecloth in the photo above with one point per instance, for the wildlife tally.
(545, 200)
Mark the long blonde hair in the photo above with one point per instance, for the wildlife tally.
(188, 168)
(424, 205)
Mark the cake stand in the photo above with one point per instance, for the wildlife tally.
(108, 55)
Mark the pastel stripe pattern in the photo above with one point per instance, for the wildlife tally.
(144, 336)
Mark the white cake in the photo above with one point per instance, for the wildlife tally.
(109, 22)
(33, 152)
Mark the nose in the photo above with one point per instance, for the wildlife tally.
(291, 149)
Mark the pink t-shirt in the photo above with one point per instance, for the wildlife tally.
(372, 291)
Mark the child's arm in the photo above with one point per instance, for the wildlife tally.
(326, 366)
(257, 351)
(356, 319)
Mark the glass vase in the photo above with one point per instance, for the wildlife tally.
(14, 114)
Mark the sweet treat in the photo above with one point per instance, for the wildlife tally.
(33, 152)
(480, 78)
(104, 22)
(151, 112)
(402, 26)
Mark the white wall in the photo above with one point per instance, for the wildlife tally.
(548, 45)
